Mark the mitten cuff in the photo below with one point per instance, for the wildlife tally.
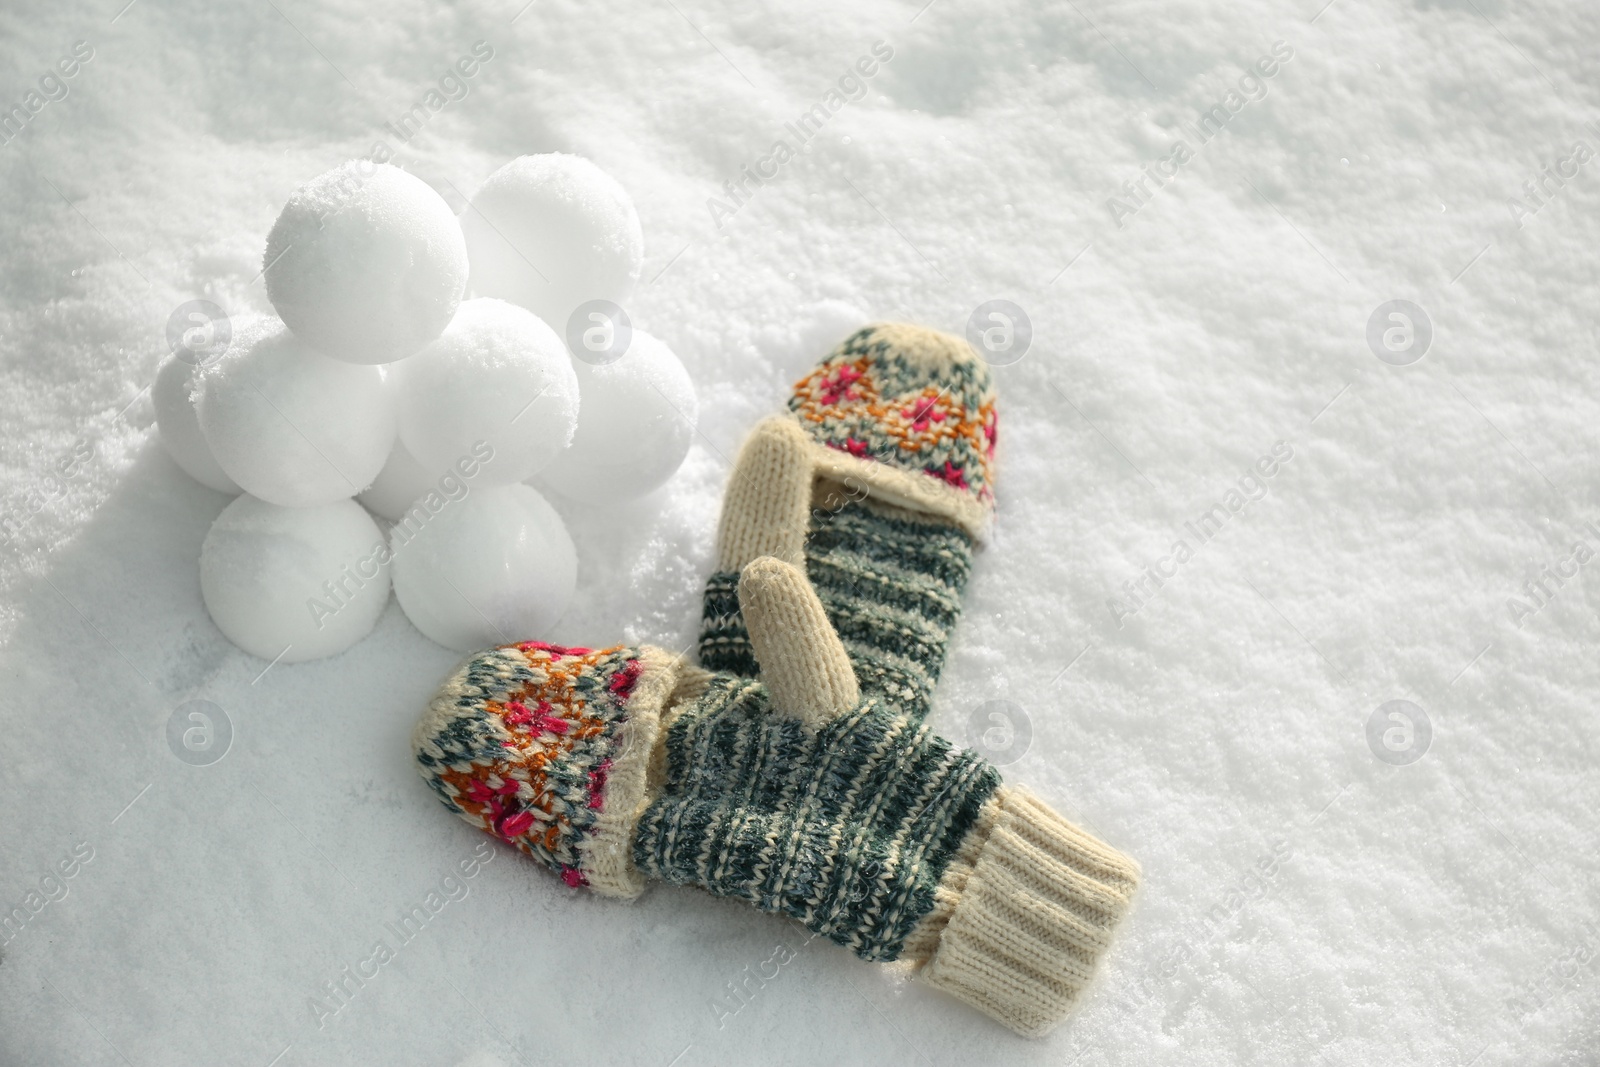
(1034, 915)
(608, 850)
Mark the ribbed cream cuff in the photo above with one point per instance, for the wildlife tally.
(1034, 916)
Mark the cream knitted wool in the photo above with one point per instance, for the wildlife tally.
(768, 501)
(804, 667)
(1019, 932)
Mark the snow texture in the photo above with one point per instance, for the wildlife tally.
(399, 484)
(289, 424)
(172, 398)
(1304, 902)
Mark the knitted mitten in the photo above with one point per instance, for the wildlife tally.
(877, 483)
(793, 793)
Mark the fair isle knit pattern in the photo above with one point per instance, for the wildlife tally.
(891, 587)
(875, 400)
(848, 829)
(526, 742)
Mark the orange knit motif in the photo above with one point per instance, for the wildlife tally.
(540, 725)
(927, 429)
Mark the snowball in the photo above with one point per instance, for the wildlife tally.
(290, 425)
(498, 376)
(552, 232)
(180, 426)
(491, 566)
(366, 263)
(300, 582)
(636, 418)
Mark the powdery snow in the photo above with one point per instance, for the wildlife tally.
(1305, 901)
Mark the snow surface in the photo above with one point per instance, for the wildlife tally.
(1305, 902)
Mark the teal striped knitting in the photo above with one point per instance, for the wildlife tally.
(878, 482)
(848, 829)
(892, 588)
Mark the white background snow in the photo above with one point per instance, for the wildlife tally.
(1445, 912)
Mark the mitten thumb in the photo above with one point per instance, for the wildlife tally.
(803, 662)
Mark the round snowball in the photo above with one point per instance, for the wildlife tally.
(636, 419)
(290, 425)
(180, 426)
(302, 583)
(366, 263)
(494, 566)
(552, 232)
(497, 376)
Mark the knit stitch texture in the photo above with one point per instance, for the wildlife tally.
(847, 829)
(615, 765)
(522, 741)
(1034, 917)
(877, 487)
(907, 397)
(892, 589)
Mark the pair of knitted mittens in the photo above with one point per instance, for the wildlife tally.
(793, 769)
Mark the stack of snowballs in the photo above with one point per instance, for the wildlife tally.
(380, 391)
